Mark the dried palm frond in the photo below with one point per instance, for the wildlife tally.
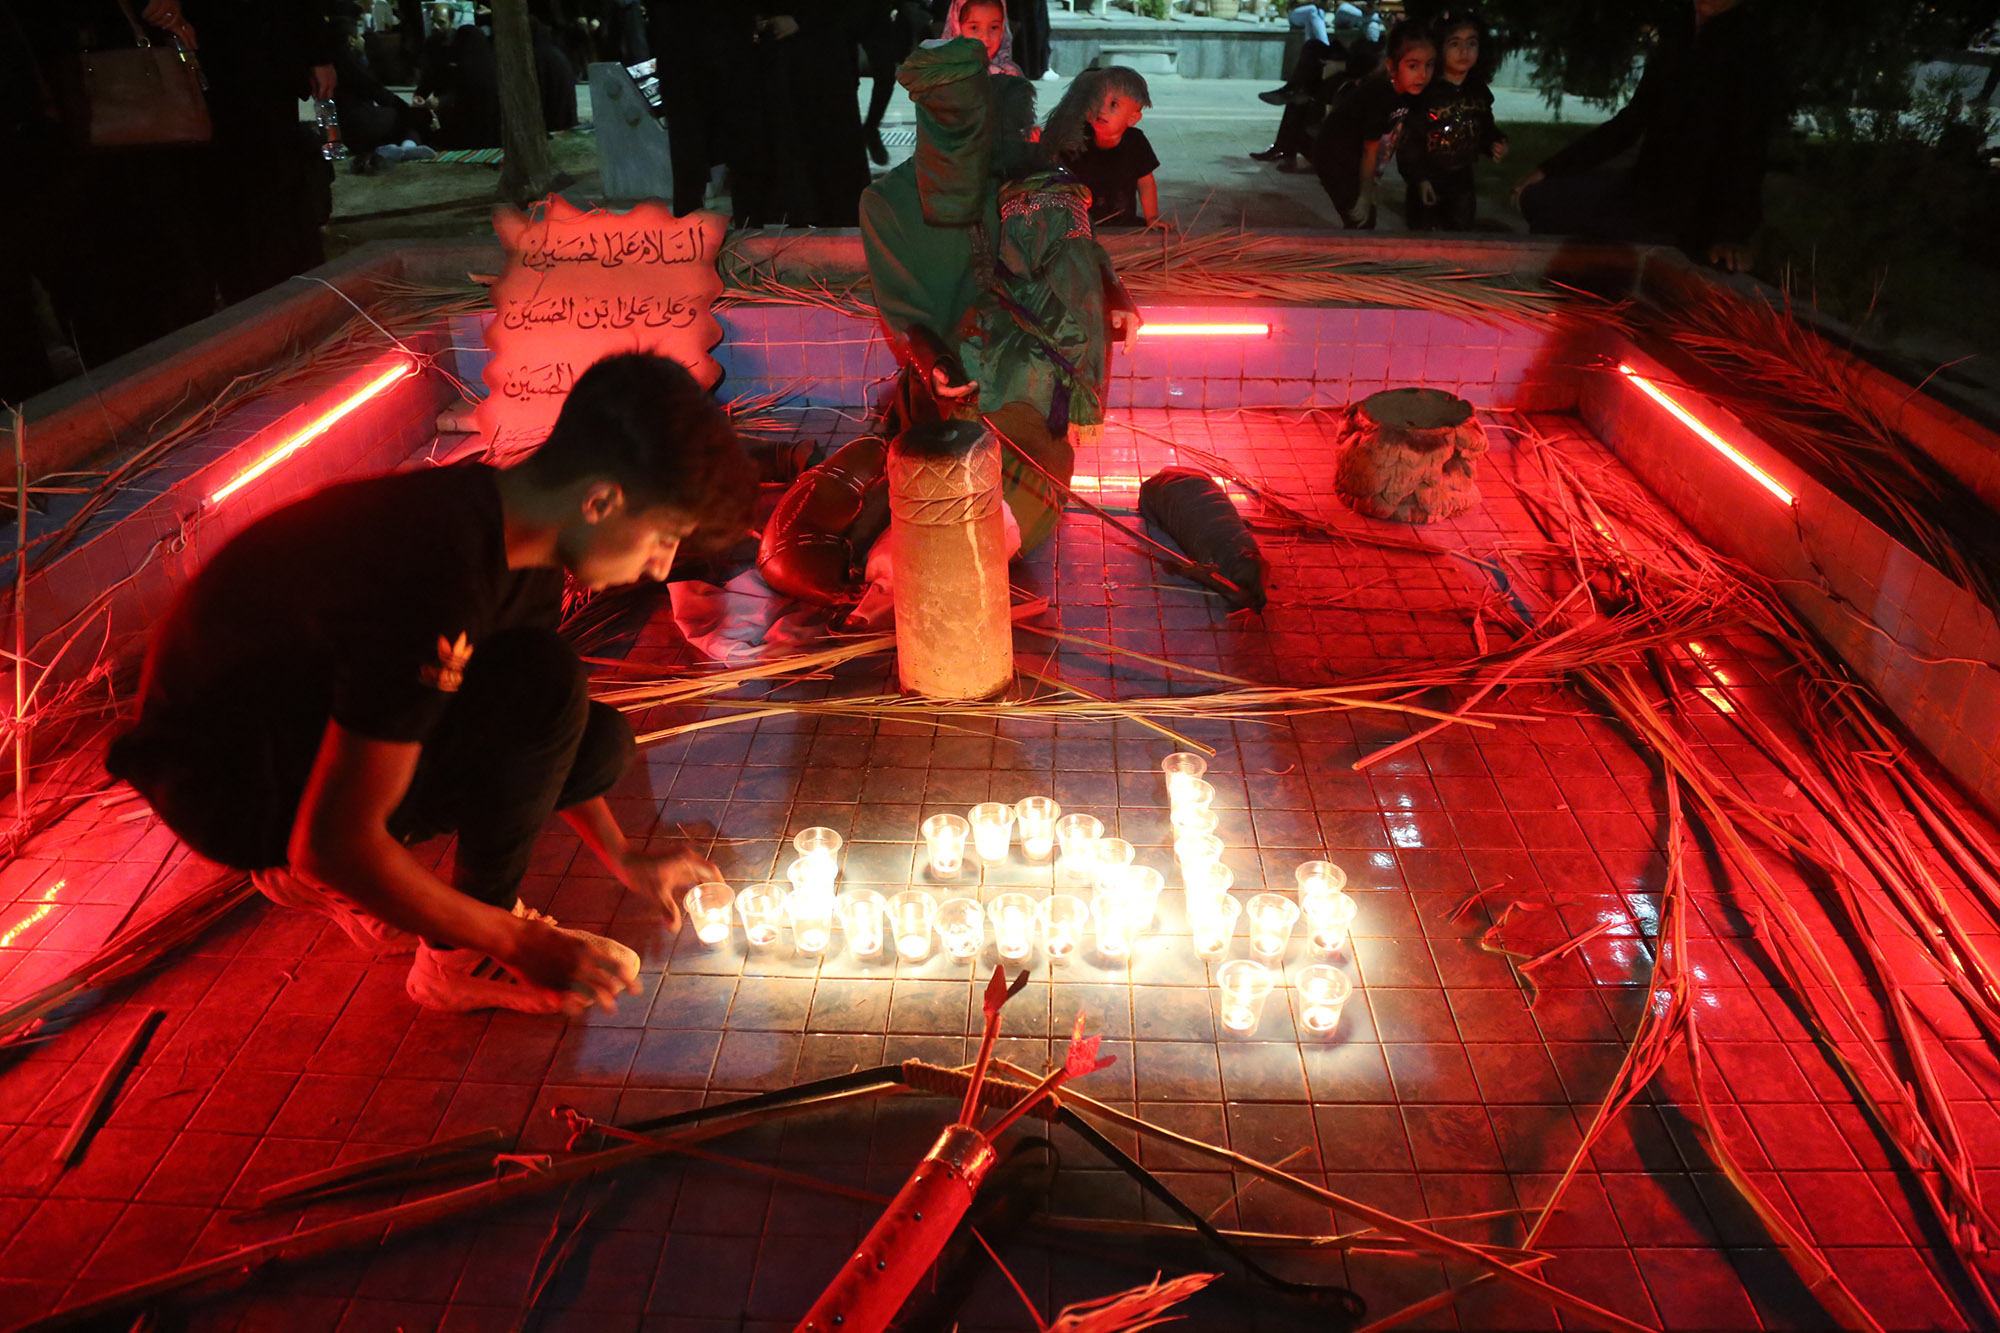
(1130, 1311)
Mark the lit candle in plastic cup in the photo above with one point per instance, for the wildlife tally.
(1196, 854)
(992, 829)
(1323, 990)
(944, 836)
(1142, 892)
(812, 919)
(911, 915)
(1013, 916)
(822, 844)
(961, 924)
(812, 875)
(1192, 820)
(863, 913)
(1317, 877)
(1037, 817)
(1114, 858)
(1243, 987)
(1077, 835)
(1213, 921)
(708, 908)
(1271, 917)
(1111, 908)
(1329, 919)
(1182, 767)
(1064, 917)
(1191, 795)
(762, 907)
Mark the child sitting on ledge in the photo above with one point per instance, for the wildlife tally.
(1093, 134)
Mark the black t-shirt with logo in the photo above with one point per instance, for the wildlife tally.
(1450, 128)
(1367, 109)
(362, 603)
(1113, 175)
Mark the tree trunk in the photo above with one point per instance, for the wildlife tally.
(527, 174)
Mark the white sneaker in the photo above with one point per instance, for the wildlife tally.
(460, 980)
(287, 888)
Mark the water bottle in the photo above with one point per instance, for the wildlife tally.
(330, 146)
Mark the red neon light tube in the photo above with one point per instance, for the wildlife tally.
(1714, 441)
(318, 426)
(1150, 330)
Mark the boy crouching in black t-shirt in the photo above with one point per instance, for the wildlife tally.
(378, 663)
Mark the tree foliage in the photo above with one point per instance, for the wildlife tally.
(1835, 54)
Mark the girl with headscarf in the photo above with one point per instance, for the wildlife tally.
(985, 21)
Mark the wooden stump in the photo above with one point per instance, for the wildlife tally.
(1408, 454)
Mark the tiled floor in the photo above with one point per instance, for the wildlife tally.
(1444, 1092)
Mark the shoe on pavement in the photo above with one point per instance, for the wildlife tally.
(1272, 154)
(460, 980)
(1276, 97)
(287, 888)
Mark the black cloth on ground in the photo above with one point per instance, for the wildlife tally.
(1113, 175)
(362, 603)
(1702, 115)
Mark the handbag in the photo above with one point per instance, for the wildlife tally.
(140, 96)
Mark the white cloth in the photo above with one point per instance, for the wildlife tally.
(744, 619)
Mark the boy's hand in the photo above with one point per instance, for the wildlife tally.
(944, 386)
(1499, 150)
(559, 961)
(665, 876)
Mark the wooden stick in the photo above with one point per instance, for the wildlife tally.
(359, 1173)
(85, 1124)
(20, 618)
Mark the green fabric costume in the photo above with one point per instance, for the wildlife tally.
(1030, 329)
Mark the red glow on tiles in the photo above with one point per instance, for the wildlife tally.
(1714, 441)
(1171, 330)
(41, 909)
(318, 426)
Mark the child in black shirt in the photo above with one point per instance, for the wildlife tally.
(1093, 133)
(1365, 121)
(1450, 127)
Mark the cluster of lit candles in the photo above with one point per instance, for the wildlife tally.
(1102, 898)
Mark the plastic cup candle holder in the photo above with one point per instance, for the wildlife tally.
(1182, 767)
(1323, 990)
(1113, 859)
(1213, 922)
(1013, 916)
(708, 908)
(1190, 795)
(992, 829)
(812, 919)
(911, 916)
(1317, 877)
(812, 875)
(1142, 892)
(1242, 987)
(1077, 836)
(1271, 917)
(762, 907)
(863, 913)
(944, 838)
(819, 843)
(1064, 918)
(961, 924)
(1329, 920)
(1037, 817)
(1196, 855)
(1111, 908)
(1192, 820)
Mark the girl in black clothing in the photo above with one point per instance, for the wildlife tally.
(1450, 127)
(1365, 122)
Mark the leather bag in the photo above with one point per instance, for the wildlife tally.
(141, 96)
